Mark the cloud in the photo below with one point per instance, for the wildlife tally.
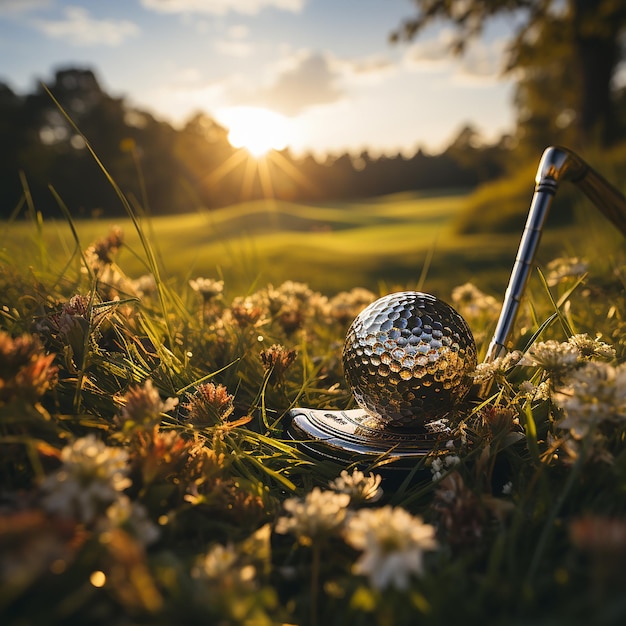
(309, 80)
(236, 44)
(480, 60)
(221, 7)
(79, 29)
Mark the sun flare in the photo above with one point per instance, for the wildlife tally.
(255, 129)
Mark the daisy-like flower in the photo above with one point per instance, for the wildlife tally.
(133, 517)
(320, 514)
(561, 269)
(552, 356)
(589, 348)
(143, 405)
(496, 369)
(392, 542)
(592, 394)
(208, 288)
(472, 302)
(219, 560)
(358, 486)
(90, 479)
(346, 305)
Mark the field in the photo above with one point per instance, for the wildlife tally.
(146, 476)
(400, 241)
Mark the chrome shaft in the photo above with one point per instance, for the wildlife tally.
(557, 164)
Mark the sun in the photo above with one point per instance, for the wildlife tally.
(255, 129)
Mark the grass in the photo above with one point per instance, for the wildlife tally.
(144, 470)
(403, 239)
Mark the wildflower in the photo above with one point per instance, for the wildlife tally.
(208, 288)
(443, 464)
(345, 306)
(143, 405)
(319, 515)
(132, 517)
(157, 455)
(144, 285)
(210, 405)
(246, 312)
(100, 254)
(589, 348)
(507, 488)
(461, 513)
(496, 369)
(558, 270)
(359, 487)
(277, 360)
(91, 477)
(472, 302)
(25, 372)
(535, 392)
(392, 542)
(218, 561)
(592, 394)
(552, 356)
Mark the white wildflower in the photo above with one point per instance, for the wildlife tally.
(472, 302)
(90, 479)
(535, 392)
(507, 488)
(218, 561)
(208, 288)
(552, 356)
(497, 368)
(358, 486)
(132, 516)
(594, 393)
(392, 542)
(589, 348)
(560, 269)
(319, 514)
(442, 465)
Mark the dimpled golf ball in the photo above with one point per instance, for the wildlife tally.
(407, 358)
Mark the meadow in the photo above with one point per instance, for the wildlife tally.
(407, 240)
(148, 373)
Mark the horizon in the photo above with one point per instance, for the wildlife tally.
(327, 73)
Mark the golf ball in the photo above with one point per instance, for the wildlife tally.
(407, 358)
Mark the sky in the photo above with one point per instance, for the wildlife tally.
(325, 68)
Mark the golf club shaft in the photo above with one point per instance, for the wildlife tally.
(557, 164)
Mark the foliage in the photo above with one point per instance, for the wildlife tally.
(146, 477)
(163, 170)
(583, 36)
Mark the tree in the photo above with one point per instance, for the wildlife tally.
(593, 28)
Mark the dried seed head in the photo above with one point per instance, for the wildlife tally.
(210, 405)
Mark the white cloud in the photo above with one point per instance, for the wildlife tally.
(79, 29)
(236, 44)
(221, 7)
(230, 48)
(306, 80)
(480, 60)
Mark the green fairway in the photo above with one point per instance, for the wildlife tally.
(399, 241)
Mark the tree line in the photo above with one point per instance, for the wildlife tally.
(44, 159)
